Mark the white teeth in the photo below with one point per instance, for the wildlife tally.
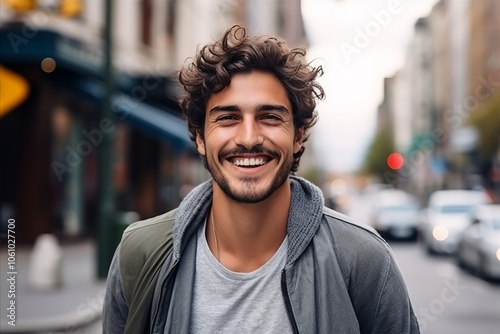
(249, 162)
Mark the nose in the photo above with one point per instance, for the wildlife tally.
(249, 133)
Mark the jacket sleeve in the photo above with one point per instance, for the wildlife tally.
(115, 308)
(376, 286)
(394, 312)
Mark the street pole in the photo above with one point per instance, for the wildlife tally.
(106, 202)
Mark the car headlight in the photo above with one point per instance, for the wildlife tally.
(498, 254)
(440, 233)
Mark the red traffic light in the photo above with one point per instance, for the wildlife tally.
(395, 161)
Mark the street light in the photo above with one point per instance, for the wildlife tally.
(106, 213)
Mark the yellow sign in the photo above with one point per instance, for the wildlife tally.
(70, 8)
(21, 5)
(14, 89)
(67, 8)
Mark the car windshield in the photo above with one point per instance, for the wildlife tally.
(455, 208)
(399, 208)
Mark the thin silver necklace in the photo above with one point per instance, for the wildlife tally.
(215, 235)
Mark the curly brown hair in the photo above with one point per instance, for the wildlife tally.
(215, 64)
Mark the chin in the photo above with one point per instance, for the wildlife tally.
(249, 198)
(252, 191)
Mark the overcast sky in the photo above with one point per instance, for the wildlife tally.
(358, 42)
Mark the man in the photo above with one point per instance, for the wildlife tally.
(253, 250)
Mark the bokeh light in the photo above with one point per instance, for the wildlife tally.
(395, 161)
(48, 65)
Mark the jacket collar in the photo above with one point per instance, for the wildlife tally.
(303, 220)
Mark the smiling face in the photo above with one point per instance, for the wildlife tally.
(249, 137)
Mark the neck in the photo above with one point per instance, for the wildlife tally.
(245, 236)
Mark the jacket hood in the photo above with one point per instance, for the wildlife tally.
(304, 216)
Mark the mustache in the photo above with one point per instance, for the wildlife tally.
(241, 150)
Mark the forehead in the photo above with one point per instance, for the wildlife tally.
(251, 89)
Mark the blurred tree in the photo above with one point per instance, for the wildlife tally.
(486, 119)
(313, 174)
(382, 145)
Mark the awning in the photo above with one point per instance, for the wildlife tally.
(45, 43)
(151, 120)
(159, 120)
(66, 52)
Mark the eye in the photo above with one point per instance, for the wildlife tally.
(226, 118)
(271, 118)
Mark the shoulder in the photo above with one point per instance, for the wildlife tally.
(151, 224)
(353, 243)
(345, 226)
(144, 237)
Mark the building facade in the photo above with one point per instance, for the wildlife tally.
(52, 59)
(452, 75)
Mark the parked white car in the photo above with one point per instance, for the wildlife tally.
(395, 214)
(479, 247)
(446, 218)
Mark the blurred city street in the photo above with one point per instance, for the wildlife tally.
(92, 138)
(75, 307)
(445, 298)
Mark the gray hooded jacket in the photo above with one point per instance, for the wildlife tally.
(340, 277)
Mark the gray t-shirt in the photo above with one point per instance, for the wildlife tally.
(230, 302)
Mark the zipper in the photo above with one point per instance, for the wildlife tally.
(288, 305)
(160, 294)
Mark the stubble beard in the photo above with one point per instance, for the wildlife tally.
(249, 194)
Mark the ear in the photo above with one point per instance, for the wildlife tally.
(200, 144)
(299, 137)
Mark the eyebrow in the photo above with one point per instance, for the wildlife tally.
(260, 107)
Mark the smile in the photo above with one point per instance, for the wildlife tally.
(249, 162)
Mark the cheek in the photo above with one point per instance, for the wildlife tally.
(287, 140)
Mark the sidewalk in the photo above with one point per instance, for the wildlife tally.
(74, 307)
